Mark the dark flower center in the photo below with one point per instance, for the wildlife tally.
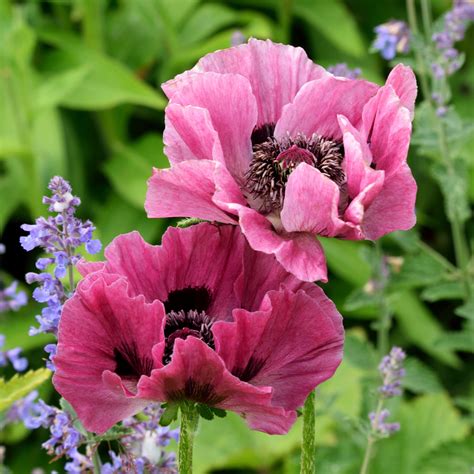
(129, 363)
(181, 325)
(275, 159)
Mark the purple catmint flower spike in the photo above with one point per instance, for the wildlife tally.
(60, 236)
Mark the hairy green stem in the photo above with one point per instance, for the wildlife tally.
(96, 461)
(309, 443)
(189, 422)
(385, 317)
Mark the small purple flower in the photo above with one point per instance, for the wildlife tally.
(455, 24)
(12, 356)
(392, 372)
(237, 38)
(380, 426)
(11, 299)
(342, 70)
(392, 37)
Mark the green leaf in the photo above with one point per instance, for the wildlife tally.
(106, 83)
(324, 15)
(453, 183)
(450, 290)
(455, 457)
(205, 411)
(420, 378)
(218, 412)
(466, 310)
(458, 341)
(360, 353)
(54, 88)
(426, 423)
(170, 414)
(420, 326)
(183, 223)
(20, 385)
(345, 260)
(420, 269)
(205, 21)
(131, 218)
(361, 299)
(131, 166)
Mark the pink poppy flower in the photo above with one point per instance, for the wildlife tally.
(202, 317)
(260, 136)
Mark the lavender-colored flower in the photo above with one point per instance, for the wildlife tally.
(380, 426)
(392, 37)
(392, 372)
(455, 23)
(60, 236)
(343, 70)
(12, 356)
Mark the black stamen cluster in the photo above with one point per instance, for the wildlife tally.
(267, 175)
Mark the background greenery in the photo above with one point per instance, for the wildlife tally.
(80, 97)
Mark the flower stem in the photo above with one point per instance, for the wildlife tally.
(189, 421)
(370, 442)
(285, 12)
(309, 445)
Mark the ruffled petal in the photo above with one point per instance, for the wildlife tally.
(190, 135)
(394, 207)
(299, 252)
(292, 344)
(403, 81)
(97, 323)
(197, 373)
(363, 182)
(262, 273)
(209, 257)
(276, 73)
(387, 127)
(317, 104)
(231, 106)
(311, 203)
(84, 267)
(187, 189)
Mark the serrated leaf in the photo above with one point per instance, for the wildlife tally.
(426, 423)
(418, 270)
(456, 458)
(420, 378)
(20, 385)
(453, 183)
(360, 353)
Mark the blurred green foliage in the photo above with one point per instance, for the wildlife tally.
(80, 97)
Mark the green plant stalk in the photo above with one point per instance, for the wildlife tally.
(309, 440)
(96, 461)
(370, 442)
(461, 248)
(92, 24)
(385, 316)
(285, 16)
(189, 422)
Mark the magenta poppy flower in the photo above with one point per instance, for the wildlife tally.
(202, 317)
(260, 136)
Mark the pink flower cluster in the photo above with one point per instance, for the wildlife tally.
(260, 138)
